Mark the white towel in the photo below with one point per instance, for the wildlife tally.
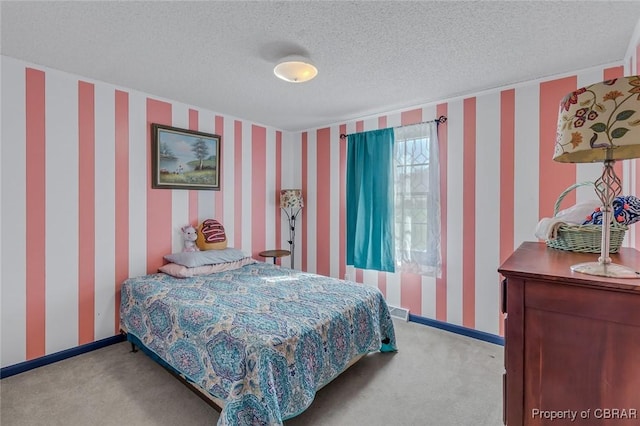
(547, 228)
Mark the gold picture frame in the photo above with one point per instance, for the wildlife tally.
(184, 159)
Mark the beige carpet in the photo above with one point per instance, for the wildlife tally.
(437, 378)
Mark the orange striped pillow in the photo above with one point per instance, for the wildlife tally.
(211, 235)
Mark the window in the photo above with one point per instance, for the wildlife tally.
(417, 200)
(393, 200)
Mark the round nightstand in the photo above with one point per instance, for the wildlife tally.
(274, 254)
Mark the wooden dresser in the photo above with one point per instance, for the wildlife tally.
(572, 341)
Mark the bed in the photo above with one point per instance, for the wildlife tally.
(256, 339)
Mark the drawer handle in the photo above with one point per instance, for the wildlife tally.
(504, 296)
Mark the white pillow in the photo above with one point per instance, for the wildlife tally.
(191, 259)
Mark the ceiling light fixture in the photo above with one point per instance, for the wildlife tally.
(295, 69)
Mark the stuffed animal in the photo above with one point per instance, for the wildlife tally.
(189, 234)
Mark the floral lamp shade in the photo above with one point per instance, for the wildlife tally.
(291, 199)
(599, 122)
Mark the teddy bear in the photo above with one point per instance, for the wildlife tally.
(189, 234)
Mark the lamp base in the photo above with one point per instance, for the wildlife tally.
(611, 270)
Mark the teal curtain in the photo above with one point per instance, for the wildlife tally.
(370, 203)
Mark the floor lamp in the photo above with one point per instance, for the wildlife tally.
(292, 203)
(601, 123)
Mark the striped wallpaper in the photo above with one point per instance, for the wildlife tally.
(498, 180)
(79, 216)
(78, 213)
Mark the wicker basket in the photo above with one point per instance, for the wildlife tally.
(584, 238)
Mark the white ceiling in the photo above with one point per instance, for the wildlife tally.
(372, 56)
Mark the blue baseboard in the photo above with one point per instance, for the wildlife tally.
(59, 356)
(68, 353)
(458, 329)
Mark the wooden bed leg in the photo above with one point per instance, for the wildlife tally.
(133, 348)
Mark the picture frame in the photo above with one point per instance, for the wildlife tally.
(184, 159)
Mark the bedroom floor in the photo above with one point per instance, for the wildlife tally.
(436, 378)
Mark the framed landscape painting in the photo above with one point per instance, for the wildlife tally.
(184, 159)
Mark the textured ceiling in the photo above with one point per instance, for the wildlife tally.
(372, 56)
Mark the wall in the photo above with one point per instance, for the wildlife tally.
(632, 67)
(498, 180)
(78, 214)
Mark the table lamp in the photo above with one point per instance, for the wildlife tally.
(292, 203)
(601, 122)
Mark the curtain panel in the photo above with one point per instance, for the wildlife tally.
(370, 200)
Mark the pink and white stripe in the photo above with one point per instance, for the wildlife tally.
(79, 215)
(498, 180)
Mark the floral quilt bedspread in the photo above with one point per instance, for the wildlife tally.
(261, 338)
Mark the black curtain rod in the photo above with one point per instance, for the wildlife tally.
(440, 120)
